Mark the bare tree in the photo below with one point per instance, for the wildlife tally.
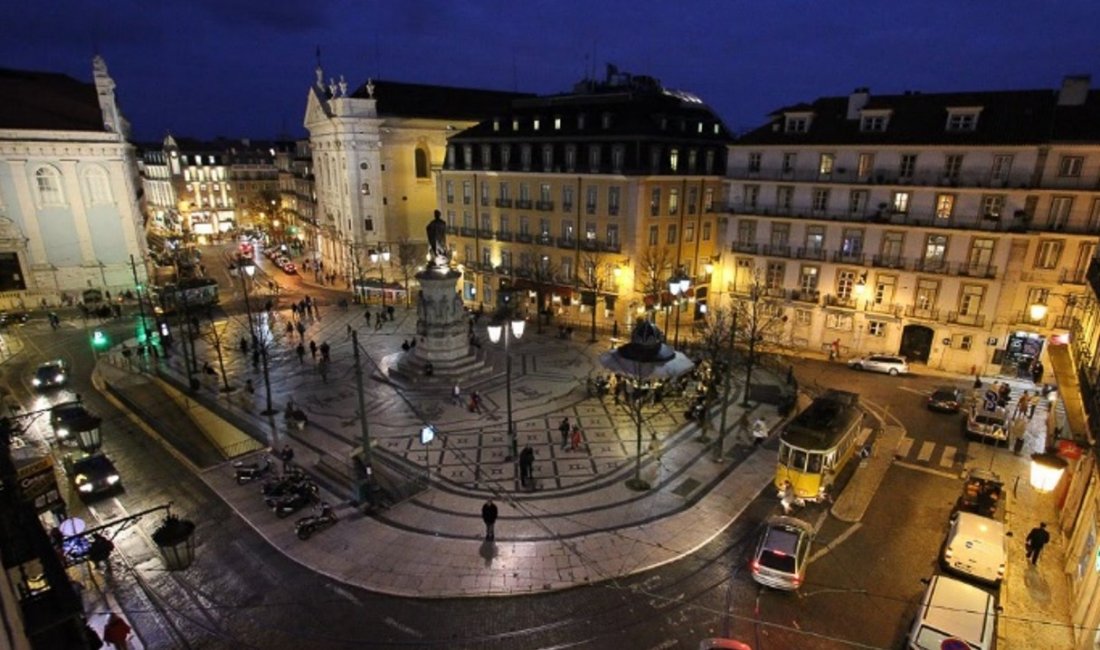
(540, 270)
(713, 350)
(410, 256)
(591, 278)
(760, 325)
(654, 268)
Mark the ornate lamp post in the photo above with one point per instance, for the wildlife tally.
(497, 331)
(678, 285)
(250, 270)
(381, 258)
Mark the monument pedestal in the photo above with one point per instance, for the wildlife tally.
(442, 334)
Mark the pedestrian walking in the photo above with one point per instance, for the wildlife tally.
(117, 632)
(289, 329)
(322, 368)
(1037, 372)
(313, 350)
(526, 465)
(366, 315)
(564, 429)
(287, 456)
(1016, 432)
(489, 516)
(1022, 405)
(759, 432)
(301, 330)
(475, 402)
(1036, 540)
(301, 352)
(249, 387)
(389, 312)
(456, 395)
(325, 350)
(575, 438)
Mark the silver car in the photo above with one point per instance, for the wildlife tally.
(890, 364)
(783, 553)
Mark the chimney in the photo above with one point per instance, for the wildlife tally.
(856, 101)
(1075, 90)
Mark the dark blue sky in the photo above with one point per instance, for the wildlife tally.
(242, 67)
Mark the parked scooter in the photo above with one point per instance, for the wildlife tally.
(248, 472)
(281, 485)
(306, 526)
(299, 497)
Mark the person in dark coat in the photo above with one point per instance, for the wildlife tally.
(116, 632)
(489, 516)
(563, 428)
(1036, 540)
(1037, 372)
(526, 465)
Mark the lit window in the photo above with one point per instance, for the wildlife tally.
(797, 124)
(48, 182)
(557, 124)
(876, 328)
(1070, 166)
(901, 202)
(960, 121)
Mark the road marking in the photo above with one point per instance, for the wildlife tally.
(923, 393)
(904, 445)
(926, 449)
(404, 628)
(833, 544)
(927, 470)
(948, 457)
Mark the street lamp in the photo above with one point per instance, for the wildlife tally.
(1037, 311)
(496, 332)
(381, 258)
(678, 285)
(1046, 471)
(250, 270)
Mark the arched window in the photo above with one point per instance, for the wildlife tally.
(421, 162)
(48, 183)
(97, 185)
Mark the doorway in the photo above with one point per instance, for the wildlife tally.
(916, 343)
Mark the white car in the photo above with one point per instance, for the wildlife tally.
(953, 610)
(782, 553)
(890, 364)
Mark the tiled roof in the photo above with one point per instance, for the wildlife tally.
(1011, 117)
(400, 99)
(47, 101)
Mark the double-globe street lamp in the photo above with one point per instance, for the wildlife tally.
(678, 285)
(498, 331)
(381, 258)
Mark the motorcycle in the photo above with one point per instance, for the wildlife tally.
(300, 497)
(306, 526)
(281, 485)
(248, 472)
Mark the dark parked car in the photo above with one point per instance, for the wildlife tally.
(945, 399)
(91, 474)
(51, 374)
(71, 416)
(13, 318)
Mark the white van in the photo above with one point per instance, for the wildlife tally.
(952, 609)
(975, 547)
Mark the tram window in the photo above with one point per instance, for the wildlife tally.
(784, 454)
(815, 463)
(798, 460)
(830, 460)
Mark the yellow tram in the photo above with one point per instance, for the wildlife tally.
(817, 444)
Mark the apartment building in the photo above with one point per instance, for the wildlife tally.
(297, 194)
(375, 153)
(953, 228)
(588, 200)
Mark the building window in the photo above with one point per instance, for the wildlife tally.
(525, 157)
(485, 194)
(673, 202)
(567, 198)
(845, 282)
(591, 195)
(544, 193)
(865, 165)
(784, 197)
(774, 275)
(857, 201)
(1048, 254)
(655, 159)
(815, 238)
(689, 233)
(504, 223)
(789, 160)
(876, 328)
(570, 157)
(908, 165)
(613, 235)
(993, 205)
(935, 251)
(964, 342)
(48, 183)
(852, 243)
(807, 278)
(98, 185)
(754, 162)
(594, 158)
(752, 197)
(580, 121)
(1070, 166)
(674, 160)
(873, 123)
(467, 193)
(524, 225)
(654, 235)
(486, 156)
(803, 317)
(838, 321)
(980, 257)
(605, 120)
(505, 156)
(821, 199)
(945, 205)
(927, 294)
(618, 158)
(449, 191)
(613, 193)
(706, 231)
(1002, 166)
(900, 202)
(547, 157)
(797, 124)
(505, 191)
(655, 202)
(962, 121)
(557, 123)
(780, 235)
(467, 156)
(746, 232)
(708, 199)
(971, 297)
(708, 162)
(885, 286)
(952, 165)
(892, 246)
(672, 234)
(825, 164)
(364, 189)
(1060, 207)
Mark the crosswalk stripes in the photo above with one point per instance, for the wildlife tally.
(927, 452)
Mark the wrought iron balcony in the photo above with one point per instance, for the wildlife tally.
(922, 313)
(1024, 318)
(523, 204)
(485, 233)
(1065, 322)
(466, 232)
(590, 244)
(544, 205)
(932, 266)
(776, 250)
(844, 302)
(611, 246)
(745, 247)
(451, 230)
(848, 258)
(524, 237)
(567, 242)
(977, 270)
(800, 295)
(1072, 276)
(504, 203)
(974, 320)
(889, 262)
(503, 235)
(885, 308)
(811, 254)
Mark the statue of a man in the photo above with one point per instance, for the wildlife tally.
(437, 241)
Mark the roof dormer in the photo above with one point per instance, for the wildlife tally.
(797, 121)
(962, 118)
(874, 120)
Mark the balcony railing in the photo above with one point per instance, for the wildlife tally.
(922, 313)
(977, 270)
(889, 262)
(776, 250)
(566, 242)
(485, 233)
(1065, 322)
(503, 270)
(504, 203)
(503, 235)
(590, 244)
(523, 204)
(744, 247)
(544, 238)
(1024, 318)
(612, 246)
(1072, 276)
(524, 237)
(613, 210)
(885, 308)
(974, 320)
(800, 295)
(848, 258)
(892, 177)
(567, 207)
(931, 266)
(845, 302)
(811, 254)
(544, 205)
(466, 232)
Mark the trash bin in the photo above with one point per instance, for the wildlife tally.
(1018, 446)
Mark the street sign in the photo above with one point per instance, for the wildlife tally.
(427, 434)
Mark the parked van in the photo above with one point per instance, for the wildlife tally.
(975, 547)
(952, 609)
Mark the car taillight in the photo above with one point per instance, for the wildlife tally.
(755, 566)
(796, 581)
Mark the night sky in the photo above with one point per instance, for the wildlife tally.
(237, 68)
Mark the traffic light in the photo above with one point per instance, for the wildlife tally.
(100, 340)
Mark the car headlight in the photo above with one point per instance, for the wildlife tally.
(85, 487)
(59, 378)
(112, 479)
(36, 381)
(62, 433)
